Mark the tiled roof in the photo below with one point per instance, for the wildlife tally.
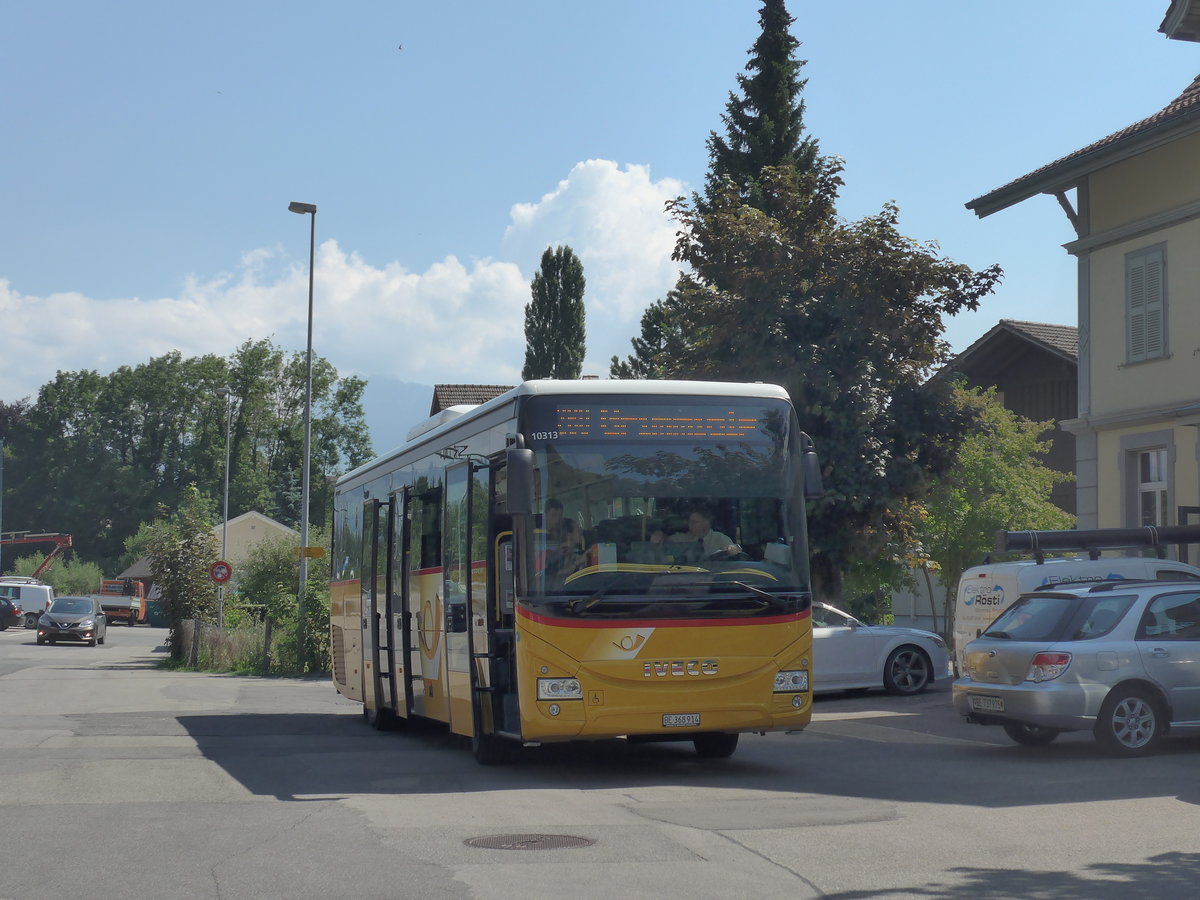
(1181, 110)
(446, 395)
(1063, 338)
(1060, 340)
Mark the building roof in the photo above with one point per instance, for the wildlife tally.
(447, 395)
(1058, 340)
(1182, 21)
(1177, 119)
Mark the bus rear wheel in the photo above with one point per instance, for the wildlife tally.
(715, 746)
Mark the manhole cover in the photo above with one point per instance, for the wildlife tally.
(528, 842)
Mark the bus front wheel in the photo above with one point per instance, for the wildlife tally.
(715, 746)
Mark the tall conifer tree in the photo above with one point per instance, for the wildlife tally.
(555, 337)
(764, 124)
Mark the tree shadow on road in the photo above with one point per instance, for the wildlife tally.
(1165, 875)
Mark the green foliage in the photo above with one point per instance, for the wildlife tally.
(267, 586)
(663, 339)
(764, 124)
(998, 482)
(96, 455)
(554, 319)
(182, 548)
(67, 576)
(847, 316)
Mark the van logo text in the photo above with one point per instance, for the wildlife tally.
(679, 667)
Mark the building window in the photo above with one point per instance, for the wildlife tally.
(1152, 487)
(1146, 303)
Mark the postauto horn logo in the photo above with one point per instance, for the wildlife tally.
(978, 595)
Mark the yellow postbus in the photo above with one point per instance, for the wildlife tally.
(583, 560)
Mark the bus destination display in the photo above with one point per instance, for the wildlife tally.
(612, 421)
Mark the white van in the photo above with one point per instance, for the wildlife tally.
(986, 591)
(28, 593)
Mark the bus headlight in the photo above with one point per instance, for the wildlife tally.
(791, 681)
(559, 689)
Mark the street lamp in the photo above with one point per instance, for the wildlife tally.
(227, 394)
(306, 209)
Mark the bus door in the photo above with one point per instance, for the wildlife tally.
(501, 604)
(458, 570)
(425, 602)
(407, 662)
(378, 660)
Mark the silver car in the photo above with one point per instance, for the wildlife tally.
(1119, 659)
(73, 619)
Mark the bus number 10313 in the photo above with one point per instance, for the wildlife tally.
(544, 435)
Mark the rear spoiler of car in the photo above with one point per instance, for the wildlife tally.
(1097, 539)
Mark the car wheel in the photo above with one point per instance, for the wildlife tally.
(1030, 735)
(715, 746)
(3, 626)
(906, 671)
(31, 620)
(1130, 722)
(41, 640)
(92, 642)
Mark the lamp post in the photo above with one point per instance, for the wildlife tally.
(227, 394)
(306, 209)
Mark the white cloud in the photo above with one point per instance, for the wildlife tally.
(614, 219)
(452, 322)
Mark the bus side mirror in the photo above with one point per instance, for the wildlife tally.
(519, 467)
(813, 486)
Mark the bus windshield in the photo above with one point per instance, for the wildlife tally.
(652, 506)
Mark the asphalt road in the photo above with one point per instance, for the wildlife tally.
(124, 781)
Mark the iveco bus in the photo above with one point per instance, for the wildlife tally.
(580, 560)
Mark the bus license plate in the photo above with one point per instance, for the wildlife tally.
(988, 704)
(681, 720)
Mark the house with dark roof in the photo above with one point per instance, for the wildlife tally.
(1133, 200)
(447, 395)
(1034, 368)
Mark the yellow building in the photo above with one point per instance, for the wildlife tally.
(1136, 214)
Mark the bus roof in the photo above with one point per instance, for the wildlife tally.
(430, 428)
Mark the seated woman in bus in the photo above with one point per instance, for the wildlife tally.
(700, 530)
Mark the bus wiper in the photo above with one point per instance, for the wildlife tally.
(771, 599)
(581, 605)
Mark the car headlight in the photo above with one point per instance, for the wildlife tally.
(939, 643)
(559, 689)
(791, 681)
(88, 623)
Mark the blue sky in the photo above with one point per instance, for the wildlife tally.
(151, 150)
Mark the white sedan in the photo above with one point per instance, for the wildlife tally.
(849, 655)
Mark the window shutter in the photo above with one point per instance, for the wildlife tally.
(1146, 306)
(1155, 305)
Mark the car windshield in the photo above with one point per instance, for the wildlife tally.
(71, 606)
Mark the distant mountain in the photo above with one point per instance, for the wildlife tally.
(392, 407)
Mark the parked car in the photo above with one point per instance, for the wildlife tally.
(31, 595)
(848, 654)
(1120, 659)
(10, 614)
(73, 619)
